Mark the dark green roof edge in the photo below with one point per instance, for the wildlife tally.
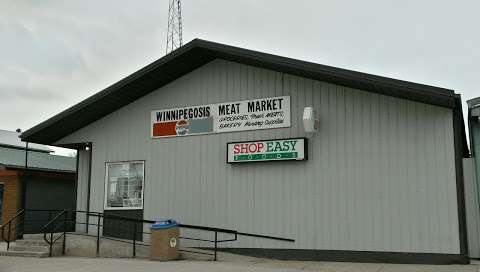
(474, 102)
(30, 168)
(199, 52)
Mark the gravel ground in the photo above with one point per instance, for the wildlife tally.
(229, 262)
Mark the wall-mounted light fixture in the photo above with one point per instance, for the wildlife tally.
(310, 120)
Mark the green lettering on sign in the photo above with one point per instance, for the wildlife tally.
(266, 156)
(268, 150)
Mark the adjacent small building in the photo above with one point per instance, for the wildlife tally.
(474, 128)
(472, 178)
(352, 166)
(33, 178)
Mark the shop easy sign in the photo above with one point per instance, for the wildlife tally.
(270, 150)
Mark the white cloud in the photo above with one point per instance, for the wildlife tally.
(56, 53)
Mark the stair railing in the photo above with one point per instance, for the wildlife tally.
(133, 234)
(51, 228)
(8, 226)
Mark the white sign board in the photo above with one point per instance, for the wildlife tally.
(264, 113)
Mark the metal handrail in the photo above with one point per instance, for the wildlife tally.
(15, 221)
(9, 223)
(51, 225)
(207, 228)
(50, 228)
(54, 218)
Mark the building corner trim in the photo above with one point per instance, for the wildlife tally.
(458, 147)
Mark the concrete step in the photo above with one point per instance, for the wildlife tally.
(30, 248)
(32, 242)
(23, 242)
(39, 236)
(24, 254)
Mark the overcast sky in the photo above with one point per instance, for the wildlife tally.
(54, 54)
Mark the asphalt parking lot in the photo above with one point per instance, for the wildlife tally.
(231, 264)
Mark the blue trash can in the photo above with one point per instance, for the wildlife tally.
(164, 240)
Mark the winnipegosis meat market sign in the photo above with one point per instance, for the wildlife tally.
(265, 113)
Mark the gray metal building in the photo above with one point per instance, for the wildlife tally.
(474, 129)
(33, 177)
(472, 179)
(383, 180)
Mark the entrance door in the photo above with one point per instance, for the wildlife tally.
(47, 193)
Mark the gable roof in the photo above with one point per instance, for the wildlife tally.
(199, 52)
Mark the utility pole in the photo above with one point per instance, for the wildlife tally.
(174, 33)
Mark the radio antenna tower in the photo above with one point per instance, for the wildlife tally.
(174, 33)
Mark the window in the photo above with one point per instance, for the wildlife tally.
(124, 185)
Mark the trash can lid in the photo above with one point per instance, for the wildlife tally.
(164, 224)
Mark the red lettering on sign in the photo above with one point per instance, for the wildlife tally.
(236, 149)
(260, 147)
(248, 148)
(243, 148)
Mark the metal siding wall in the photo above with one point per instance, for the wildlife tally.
(473, 219)
(380, 174)
(82, 186)
(472, 208)
(475, 136)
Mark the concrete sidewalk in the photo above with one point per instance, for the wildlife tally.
(229, 263)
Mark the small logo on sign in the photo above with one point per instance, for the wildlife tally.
(173, 242)
(182, 127)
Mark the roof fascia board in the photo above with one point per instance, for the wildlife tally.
(199, 52)
(377, 84)
(474, 103)
(112, 88)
